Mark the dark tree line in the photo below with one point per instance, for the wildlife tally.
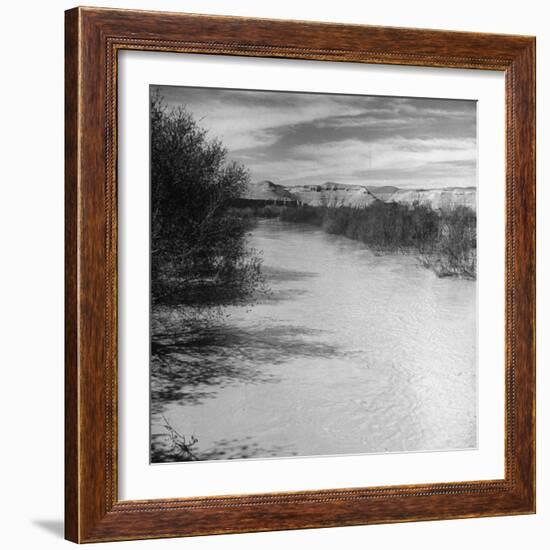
(198, 245)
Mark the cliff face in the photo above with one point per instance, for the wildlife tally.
(438, 199)
(267, 190)
(339, 194)
(333, 194)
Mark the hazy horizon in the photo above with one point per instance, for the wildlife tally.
(322, 182)
(296, 138)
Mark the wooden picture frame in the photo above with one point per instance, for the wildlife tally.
(93, 511)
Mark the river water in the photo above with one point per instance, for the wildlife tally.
(350, 352)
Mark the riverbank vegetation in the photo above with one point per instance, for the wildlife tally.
(199, 253)
(200, 260)
(444, 241)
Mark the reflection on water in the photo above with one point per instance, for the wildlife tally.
(350, 352)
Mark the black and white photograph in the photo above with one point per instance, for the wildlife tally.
(274, 275)
(312, 274)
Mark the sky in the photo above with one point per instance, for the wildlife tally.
(304, 138)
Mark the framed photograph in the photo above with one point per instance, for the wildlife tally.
(300, 275)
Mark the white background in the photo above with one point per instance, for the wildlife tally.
(138, 479)
(31, 218)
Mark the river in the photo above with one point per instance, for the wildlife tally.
(350, 352)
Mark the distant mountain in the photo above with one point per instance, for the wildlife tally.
(340, 194)
(267, 190)
(333, 194)
(438, 199)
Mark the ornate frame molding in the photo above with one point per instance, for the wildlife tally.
(93, 39)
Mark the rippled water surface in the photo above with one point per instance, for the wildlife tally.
(350, 352)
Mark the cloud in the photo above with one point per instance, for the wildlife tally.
(398, 153)
(308, 138)
(429, 175)
(245, 119)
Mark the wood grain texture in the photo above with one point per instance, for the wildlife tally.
(93, 38)
(71, 270)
